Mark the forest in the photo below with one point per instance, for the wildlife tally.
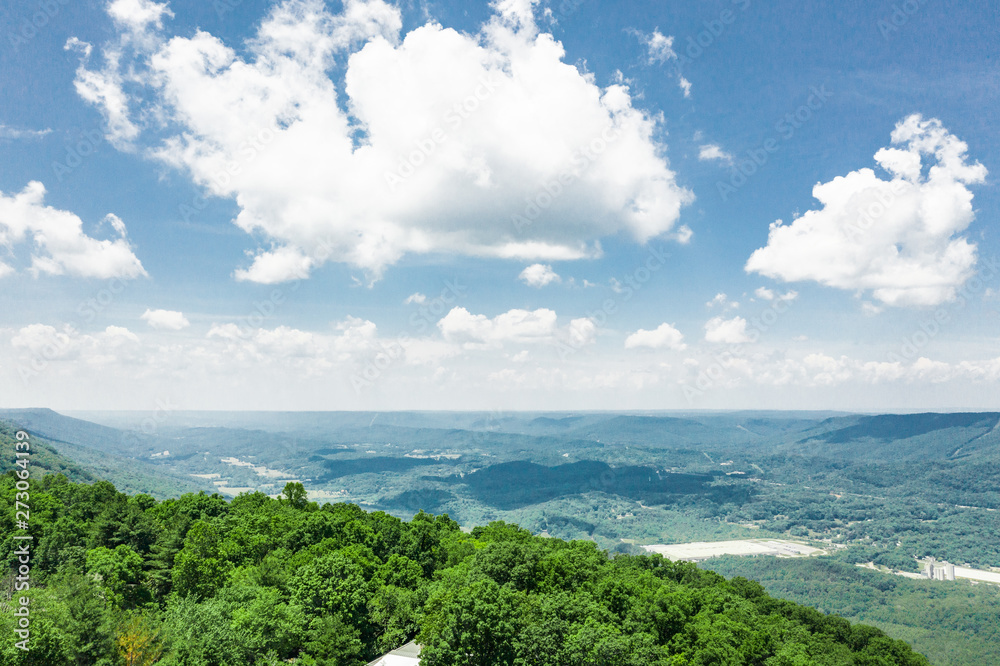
(954, 623)
(203, 581)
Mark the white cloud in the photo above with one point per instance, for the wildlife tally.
(138, 16)
(516, 326)
(435, 143)
(39, 345)
(7, 132)
(581, 332)
(61, 247)
(685, 86)
(766, 294)
(278, 265)
(45, 341)
(538, 276)
(659, 50)
(663, 337)
(729, 331)
(711, 151)
(417, 298)
(315, 354)
(896, 238)
(482, 361)
(169, 320)
(870, 309)
(104, 89)
(660, 47)
(721, 300)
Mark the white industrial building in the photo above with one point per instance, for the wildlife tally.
(938, 570)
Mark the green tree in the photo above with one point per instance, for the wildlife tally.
(119, 574)
(295, 494)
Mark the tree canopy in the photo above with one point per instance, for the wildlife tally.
(201, 581)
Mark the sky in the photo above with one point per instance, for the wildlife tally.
(508, 205)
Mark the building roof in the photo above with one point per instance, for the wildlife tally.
(407, 655)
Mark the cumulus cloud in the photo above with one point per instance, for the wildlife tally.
(896, 237)
(60, 245)
(721, 300)
(311, 352)
(538, 276)
(278, 265)
(663, 337)
(169, 320)
(766, 294)
(518, 326)
(417, 298)
(581, 332)
(730, 331)
(482, 357)
(710, 151)
(39, 345)
(434, 143)
(477, 331)
(138, 16)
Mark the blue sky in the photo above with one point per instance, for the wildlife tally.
(277, 205)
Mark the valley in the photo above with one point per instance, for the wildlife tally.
(818, 490)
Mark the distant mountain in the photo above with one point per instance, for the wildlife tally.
(522, 483)
(86, 451)
(905, 437)
(59, 428)
(43, 458)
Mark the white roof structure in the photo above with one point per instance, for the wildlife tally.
(702, 550)
(407, 655)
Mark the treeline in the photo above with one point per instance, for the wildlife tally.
(926, 517)
(952, 622)
(201, 581)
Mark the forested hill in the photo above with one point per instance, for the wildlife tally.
(199, 581)
(44, 458)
